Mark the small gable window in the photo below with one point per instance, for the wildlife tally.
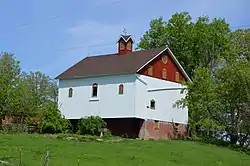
(70, 94)
(177, 77)
(164, 59)
(121, 87)
(152, 104)
(150, 70)
(164, 74)
(94, 90)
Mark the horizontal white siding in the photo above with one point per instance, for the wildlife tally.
(165, 94)
(108, 104)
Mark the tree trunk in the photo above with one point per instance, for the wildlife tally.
(233, 138)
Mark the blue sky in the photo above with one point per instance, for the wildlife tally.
(50, 36)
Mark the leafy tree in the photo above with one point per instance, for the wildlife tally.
(233, 81)
(38, 90)
(201, 43)
(9, 74)
(219, 102)
(201, 100)
(241, 41)
(24, 94)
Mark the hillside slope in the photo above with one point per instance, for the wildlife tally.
(130, 152)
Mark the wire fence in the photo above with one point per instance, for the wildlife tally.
(44, 162)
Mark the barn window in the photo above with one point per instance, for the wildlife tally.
(70, 92)
(94, 90)
(122, 46)
(164, 74)
(152, 104)
(177, 77)
(121, 89)
(129, 46)
(156, 125)
(150, 70)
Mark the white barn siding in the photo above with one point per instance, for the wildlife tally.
(165, 94)
(108, 104)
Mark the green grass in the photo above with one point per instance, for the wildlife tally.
(126, 153)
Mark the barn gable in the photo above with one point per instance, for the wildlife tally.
(163, 67)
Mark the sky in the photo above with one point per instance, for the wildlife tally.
(50, 36)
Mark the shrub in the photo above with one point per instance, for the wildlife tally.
(14, 128)
(107, 134)
(51, 121)
(91, 125)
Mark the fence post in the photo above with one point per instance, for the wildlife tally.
(78, 162)
(47, 159)
(20, 155)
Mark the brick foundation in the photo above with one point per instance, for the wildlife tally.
(149, 129)
(162, 130)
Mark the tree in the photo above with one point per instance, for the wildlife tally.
(233, 81)
(23, 94)
(219, 102)
(201, 43)
(241, 41)
(9, 74)
(36, 91)
(203, 105)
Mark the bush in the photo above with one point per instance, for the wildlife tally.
(107, 134)
(51, 121)
(14, 128)
(91, 125)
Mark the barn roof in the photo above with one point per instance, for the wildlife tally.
(112, 64)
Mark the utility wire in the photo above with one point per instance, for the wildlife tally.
(81, 47)
(89, 46)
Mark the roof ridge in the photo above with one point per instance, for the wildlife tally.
(124, 54)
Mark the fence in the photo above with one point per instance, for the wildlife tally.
(20, 162)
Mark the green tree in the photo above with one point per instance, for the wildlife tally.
(9, 80)
(233, 81)
(200, 43)
(241, 41)
(37, 90)
(219, 101)
(202, 101)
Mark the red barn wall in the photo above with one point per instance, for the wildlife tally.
(158, 66)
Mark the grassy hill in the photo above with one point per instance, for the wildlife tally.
(125, 153)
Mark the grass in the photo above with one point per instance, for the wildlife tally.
(129, 152)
